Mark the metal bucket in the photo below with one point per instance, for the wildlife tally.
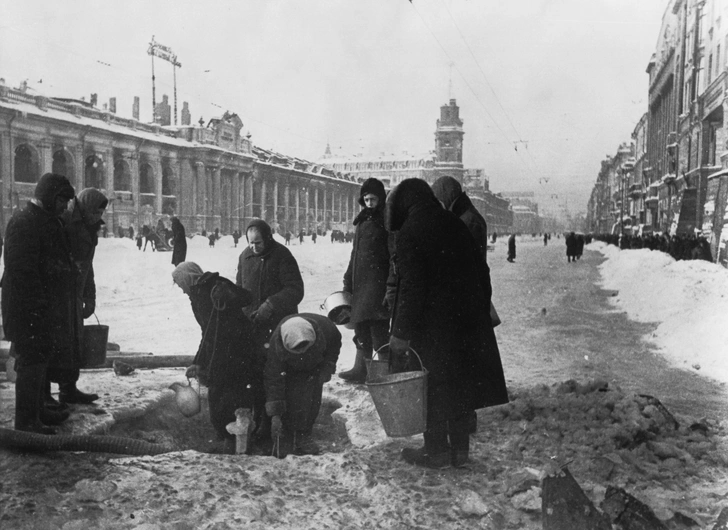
(95, 338)
(401, 401)
(377, 367)
(337, 308)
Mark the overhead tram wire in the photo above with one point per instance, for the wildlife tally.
(490, 87)
(475, 95)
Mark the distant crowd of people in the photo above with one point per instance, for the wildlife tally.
(680, 247)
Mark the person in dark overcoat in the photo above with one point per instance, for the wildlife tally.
(179, 242)
(511, 248)
(570, 241)
(441, 303)
(81, 220)
(225, 360)
(366, 279)
(302, 356)
(449, 192)
(39, 297)
(270, 272)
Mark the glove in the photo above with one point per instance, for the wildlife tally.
(89, 307)
(276, 427)
(264, 313)
(398, 349)
(192, 371)
(221, 295)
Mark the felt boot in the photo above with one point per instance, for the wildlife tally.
(435, 454)
(70, 394)
(29, 400)
(358, 374)
(459, 434)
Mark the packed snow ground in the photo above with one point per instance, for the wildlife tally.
(687, 299)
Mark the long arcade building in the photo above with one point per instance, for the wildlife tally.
(209, 176)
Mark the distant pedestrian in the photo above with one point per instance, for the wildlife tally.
(211, 238)
(495, 236)
(179, 242)
(139, 241)
(131, 232)
(571, 247)
(512, 248)
(300, 237)
(288, 237)
(545, 239)
(236, 238)
(313, 238)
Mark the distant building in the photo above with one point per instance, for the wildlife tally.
(445, 160)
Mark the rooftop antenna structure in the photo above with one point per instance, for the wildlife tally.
(449, 84)
(166, 54)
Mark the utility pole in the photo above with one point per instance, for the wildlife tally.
(165, 53)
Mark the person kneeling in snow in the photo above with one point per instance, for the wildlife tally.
(224, 362)
(302, 355)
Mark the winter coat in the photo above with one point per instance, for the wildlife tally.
(271, 276)
(39, 284)
(468, 214)
(571, 244)
(368, 270)
(293, 382)
(82, 240)
(225, 354)
(442, 301)
(179, 242)
(512, 246)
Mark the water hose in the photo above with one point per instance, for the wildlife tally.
(94, 443)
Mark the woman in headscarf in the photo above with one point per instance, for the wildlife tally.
(366, 279)
(82, 221)
(442, 299)
(224, 361)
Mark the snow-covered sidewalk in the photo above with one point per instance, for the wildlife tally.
(687, 299)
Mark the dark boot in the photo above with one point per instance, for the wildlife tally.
(29, 400)
(53, 417)
(459, 434)
(358, 374)
(50, 402)
(435, 454)
(305, 445)
(70, 394)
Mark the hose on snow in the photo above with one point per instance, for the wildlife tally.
(94, 443)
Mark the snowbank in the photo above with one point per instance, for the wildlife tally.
(687, 299)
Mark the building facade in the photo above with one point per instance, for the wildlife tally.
(209, 176)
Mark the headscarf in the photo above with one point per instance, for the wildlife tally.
(90, 200)
(297, 335)
(186, 274)
(447, 190)
(408, 194)
(51, 186)
(375, 187)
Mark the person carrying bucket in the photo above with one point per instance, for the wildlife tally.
(82, 221)
(302, 355)
(443, 297)
(366, 279)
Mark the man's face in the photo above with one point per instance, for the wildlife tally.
(60, 205)
(371, 200)
(256, 241)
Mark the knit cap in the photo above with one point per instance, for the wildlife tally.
(297, 335)
(375, 187)
(51, 186)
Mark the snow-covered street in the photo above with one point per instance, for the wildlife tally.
(597, 320)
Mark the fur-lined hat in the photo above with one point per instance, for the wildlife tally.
(375, 187)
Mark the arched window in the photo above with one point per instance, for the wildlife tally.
(146, 179)
(92, 172)
(62, 164)
(26, 164)
(122, 178)
(169, 183)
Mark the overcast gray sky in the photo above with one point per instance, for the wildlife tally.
(546, 88)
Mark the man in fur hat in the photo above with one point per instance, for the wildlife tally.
(39, 298)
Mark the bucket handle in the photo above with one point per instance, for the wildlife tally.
(97, 319)
(410, 349)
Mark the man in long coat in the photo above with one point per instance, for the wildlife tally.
(179, 242)
(38, 296)
(366, 279)
(442, 300)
